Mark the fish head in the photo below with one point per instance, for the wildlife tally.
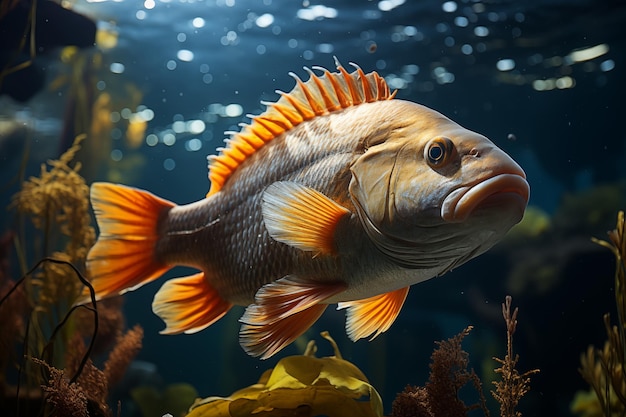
(434, 194)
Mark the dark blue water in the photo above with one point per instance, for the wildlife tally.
(543, 79)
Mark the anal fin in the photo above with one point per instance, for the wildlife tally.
(373, 315)
(188, 304)
(282, 311)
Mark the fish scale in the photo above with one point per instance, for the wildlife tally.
(337, 193)
(241, 245)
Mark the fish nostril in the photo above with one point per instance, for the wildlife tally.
(474, 152)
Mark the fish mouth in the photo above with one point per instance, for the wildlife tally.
(499, 190)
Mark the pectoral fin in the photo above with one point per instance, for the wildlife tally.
(373, 315)
(301, 217)
(282, 311)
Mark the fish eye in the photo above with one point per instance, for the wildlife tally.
(438, 151)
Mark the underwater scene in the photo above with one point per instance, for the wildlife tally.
(411, 208)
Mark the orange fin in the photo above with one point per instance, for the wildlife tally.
(188, 304)
(283, 310)
(301, 217)
(373, 315)
(123, 257)
(318, 96)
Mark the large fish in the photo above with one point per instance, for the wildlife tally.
(337, 193)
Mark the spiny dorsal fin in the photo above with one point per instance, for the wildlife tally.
(319, 95)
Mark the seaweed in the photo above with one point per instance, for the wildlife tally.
(88, 394)
(49, 340)
(513, 386)
(605, 369)
(66, 398)
(95, 383)
(59, 197)
(56, 203)
(449, 373)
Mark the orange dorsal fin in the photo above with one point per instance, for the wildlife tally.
(373, 315)
(320, 95)
(188, 304)
(282, 311)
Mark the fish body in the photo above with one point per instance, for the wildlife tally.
(338, 193)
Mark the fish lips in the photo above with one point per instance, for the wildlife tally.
(498, 191)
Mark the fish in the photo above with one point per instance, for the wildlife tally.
(338, 193)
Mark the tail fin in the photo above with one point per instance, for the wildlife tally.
(123, 258)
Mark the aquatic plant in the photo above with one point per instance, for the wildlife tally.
(87, 396)
(66, 399)
(37, 309)
(80, 386)
(300, 385)
(59, 197)
(605, 369)
(56, 203)
(513, 385)
(449, 374)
